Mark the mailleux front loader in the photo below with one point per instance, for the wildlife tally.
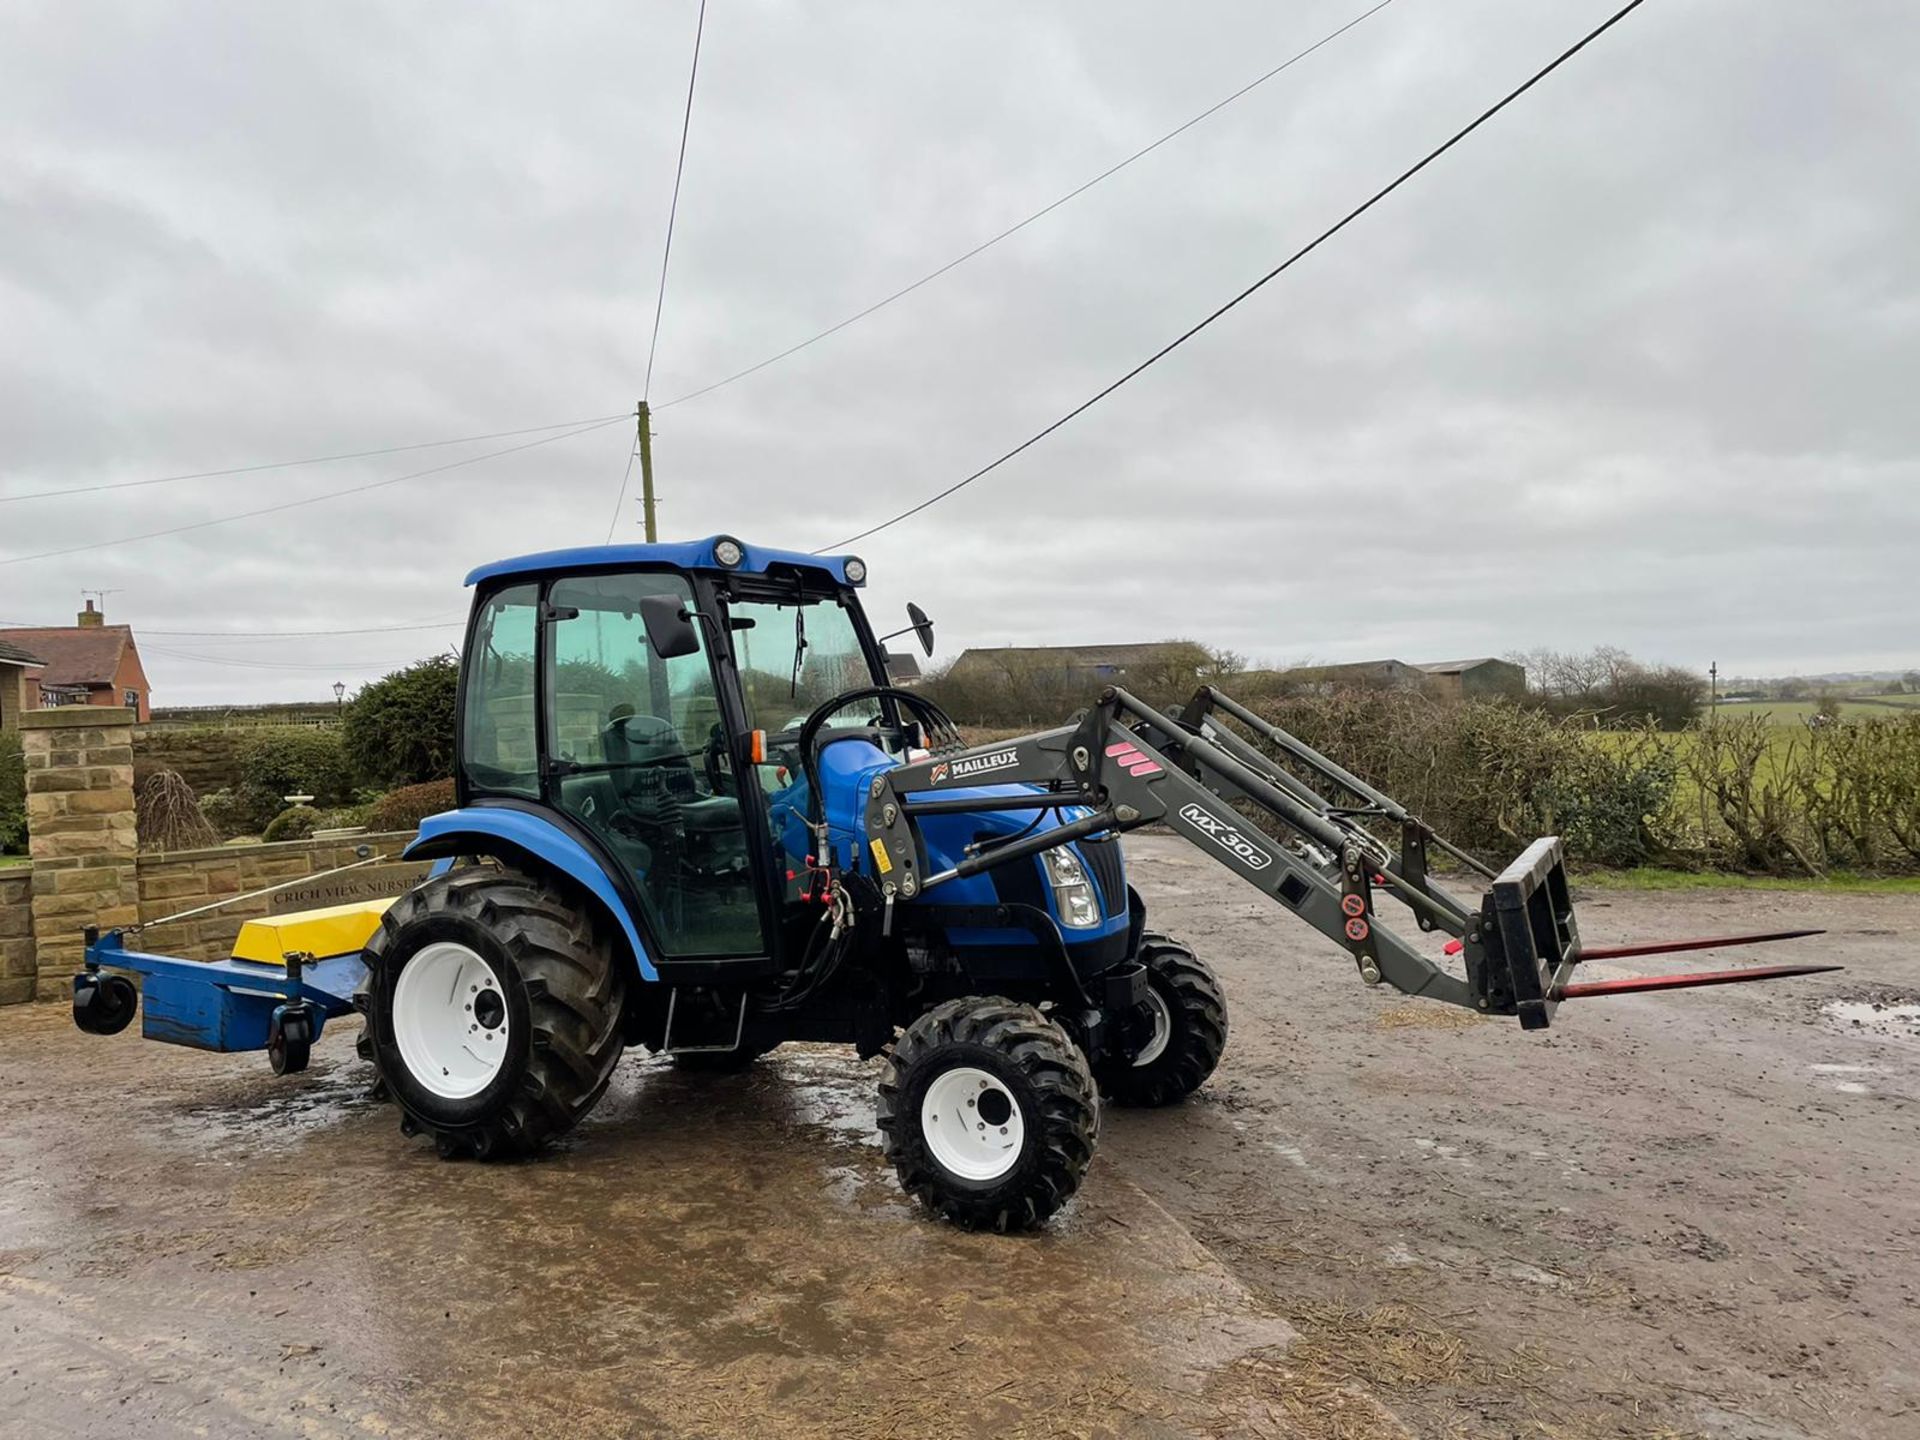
(693, 817)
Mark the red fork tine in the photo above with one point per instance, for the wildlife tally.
(1670, 947)
(1639, 983)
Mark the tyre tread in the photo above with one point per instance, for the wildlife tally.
(1199, 1010)
(575, 989)
(1067, 1123)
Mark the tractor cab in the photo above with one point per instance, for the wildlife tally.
(648, 699)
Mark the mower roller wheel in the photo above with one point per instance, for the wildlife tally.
(104, 1004)
(989, 1113)
(290, 1044)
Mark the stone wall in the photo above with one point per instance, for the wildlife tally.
(87, 869)
(208, 758)
(188, 879)
(315, 712)
(16, 932)
(80, 832)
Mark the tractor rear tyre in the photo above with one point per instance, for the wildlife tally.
(1189, 1029)
(989, 1113)
(493, 1001)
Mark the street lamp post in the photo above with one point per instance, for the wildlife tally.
(339, 698)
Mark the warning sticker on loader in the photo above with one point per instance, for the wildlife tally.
(881, 859)
(1228, 837)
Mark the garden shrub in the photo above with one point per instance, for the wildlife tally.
(242, 810)
(297, 760)
(399, 730)
(167, 814)
(13, 796)
(296, 822)
(405, 808)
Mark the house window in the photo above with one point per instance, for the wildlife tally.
(131, 699)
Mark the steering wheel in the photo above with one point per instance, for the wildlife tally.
(936, 720)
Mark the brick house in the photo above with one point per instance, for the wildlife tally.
(16, 664)
(87, 663)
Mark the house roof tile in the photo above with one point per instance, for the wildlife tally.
(73, 655)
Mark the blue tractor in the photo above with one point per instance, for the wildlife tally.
(694, 816)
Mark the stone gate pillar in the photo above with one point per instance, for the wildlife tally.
(80, 832)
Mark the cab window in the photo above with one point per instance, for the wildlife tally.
(497, 739)
(641, 761)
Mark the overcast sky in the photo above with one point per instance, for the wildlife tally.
(1635, 365)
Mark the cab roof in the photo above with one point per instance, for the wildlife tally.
(677, 555)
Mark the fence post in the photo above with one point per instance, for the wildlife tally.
(80, 832)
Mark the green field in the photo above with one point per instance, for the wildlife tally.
(1648, 877)
(1798, 712)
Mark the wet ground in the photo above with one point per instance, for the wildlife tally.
(1671, 1215)
(1683, 1215)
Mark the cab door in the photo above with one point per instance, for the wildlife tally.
(636, 752)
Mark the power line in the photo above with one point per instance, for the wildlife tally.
(1284, 265)
(309, 500)
(620, 502)
(311, 460)
(241, 664)
(300, 634)
(1041, 213)
(673, 209)
(257, 634)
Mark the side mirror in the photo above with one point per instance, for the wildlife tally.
(922, 626)
(670, 629)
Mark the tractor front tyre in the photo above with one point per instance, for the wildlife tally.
(989, 1113)
(1189, 1032)
(493, 1002)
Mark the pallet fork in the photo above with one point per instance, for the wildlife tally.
(1125, 765)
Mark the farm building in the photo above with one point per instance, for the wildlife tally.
(1082, 662)
(1482, 679)
(1356, 675)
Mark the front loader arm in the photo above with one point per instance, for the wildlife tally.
(1126, 765)
(1108, 767)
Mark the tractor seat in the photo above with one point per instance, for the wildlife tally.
(654, 748)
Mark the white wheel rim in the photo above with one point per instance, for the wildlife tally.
(972, 1124)
(1156, 1045)
(450, 1020)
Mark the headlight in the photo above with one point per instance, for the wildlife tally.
(856, 571)
(1072, 892)
(728, 552)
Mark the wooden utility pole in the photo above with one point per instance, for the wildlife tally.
(646, 472)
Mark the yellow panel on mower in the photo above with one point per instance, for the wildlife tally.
(332, 930)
